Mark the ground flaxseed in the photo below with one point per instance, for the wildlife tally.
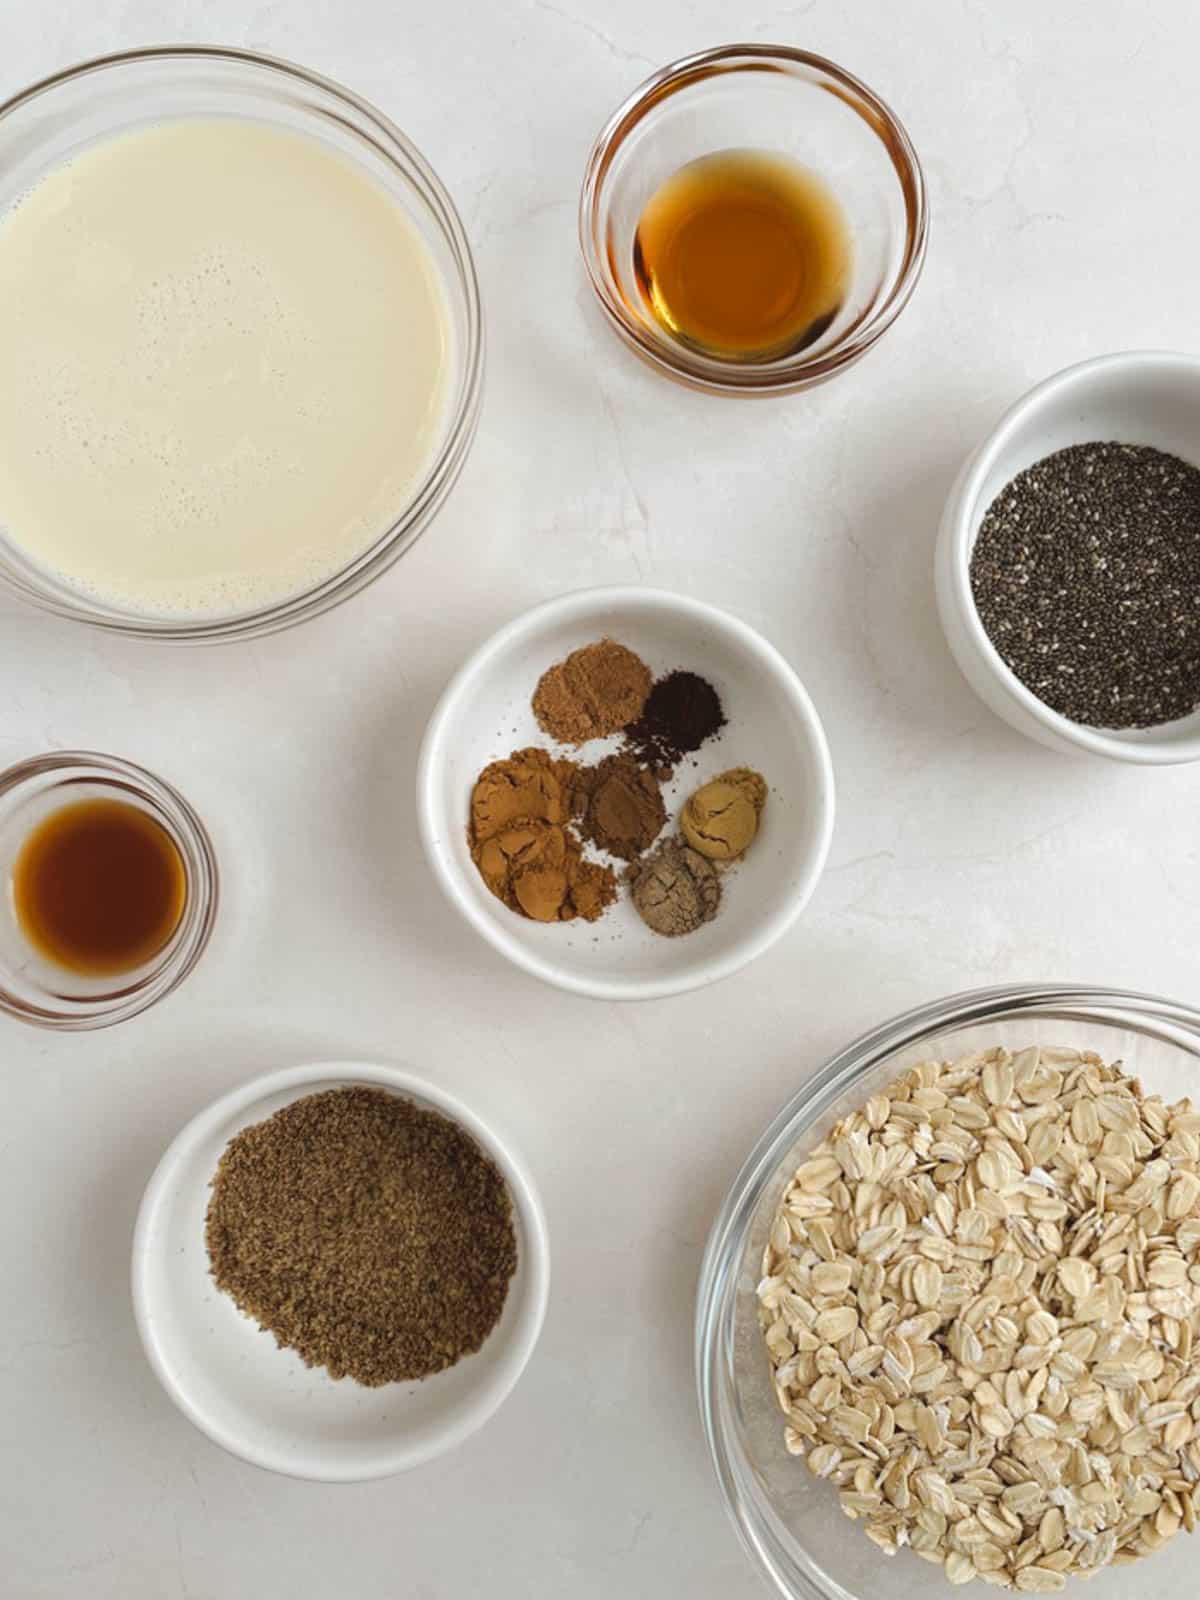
(370, 1235)
(1086, 577)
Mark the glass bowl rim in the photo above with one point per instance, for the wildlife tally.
(443, 470)
(187, 829)
(715, 1292)
(722, 377)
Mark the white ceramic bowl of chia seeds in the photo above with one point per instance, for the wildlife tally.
(260, 1402)
(1136, 397)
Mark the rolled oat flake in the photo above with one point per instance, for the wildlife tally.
(1086, 577)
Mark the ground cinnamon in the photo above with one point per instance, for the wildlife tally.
(522, 843)
(594, 692)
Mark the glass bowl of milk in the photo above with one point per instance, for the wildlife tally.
(241, 344)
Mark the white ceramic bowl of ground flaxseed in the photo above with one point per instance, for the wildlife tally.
(1141, 397)
(260, 1402)
(771, 725)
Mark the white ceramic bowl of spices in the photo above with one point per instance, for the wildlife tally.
(342, 1218)
(600, 804)
(1100, 620)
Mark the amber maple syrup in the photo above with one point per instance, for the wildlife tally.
(744, 255)
(99, 887)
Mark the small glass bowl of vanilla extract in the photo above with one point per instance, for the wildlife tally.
(110, 890)
(753, 219)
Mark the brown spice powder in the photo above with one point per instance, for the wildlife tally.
(594, 692)
(370, 1235)
(538, 869)
(620, 806)
(528, 785)
(720, 819)
(675, 890)
(520, 841)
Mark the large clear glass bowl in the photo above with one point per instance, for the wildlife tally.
(788, 1520)
(46, 124)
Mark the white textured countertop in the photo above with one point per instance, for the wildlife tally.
(1055, 140)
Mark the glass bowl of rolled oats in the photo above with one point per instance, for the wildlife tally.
(949, 1316)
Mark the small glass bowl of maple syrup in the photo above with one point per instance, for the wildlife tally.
(753, 220)
(110, 890)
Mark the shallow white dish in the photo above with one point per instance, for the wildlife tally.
(262, 1403)
(772, 725)
(1139, 397)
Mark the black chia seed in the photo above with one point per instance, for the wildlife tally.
(1086, 576)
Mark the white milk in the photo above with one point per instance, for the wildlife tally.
(223, 355)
